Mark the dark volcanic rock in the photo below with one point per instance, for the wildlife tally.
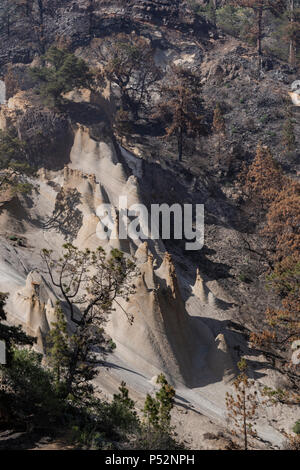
(79, 22)
(49, 136)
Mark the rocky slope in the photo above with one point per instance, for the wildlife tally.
(192, 312)
(80, 21)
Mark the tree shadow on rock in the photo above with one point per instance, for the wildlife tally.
(66, 217)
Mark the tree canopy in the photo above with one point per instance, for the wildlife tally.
(181, 105)
(129, 64)
(61, 73)
(14, 167)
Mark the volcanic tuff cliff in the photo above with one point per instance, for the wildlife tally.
(191, 311)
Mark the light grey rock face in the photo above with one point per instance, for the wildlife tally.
(296, 345)
(184, 334)
(296, 86)
(296, 351)
(296, 357)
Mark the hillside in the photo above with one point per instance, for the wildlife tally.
(189, 314)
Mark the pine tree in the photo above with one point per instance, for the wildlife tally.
(181, 106)
(242, 405)
(90, 283)
(72, 359)
(156, 431)
(11, 335)
(62, 72)
(58, 348)
(264, 178)
(259, 7)
(291, 30)
(284, 322)
(13, 165)
(91, 13)
(8, 15)
(123, 396)
(122, 409)
(288, 134)
(130, 66)
(280, 197)
(157, 410)
(282, 224)
(281, 230)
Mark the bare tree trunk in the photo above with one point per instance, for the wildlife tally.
(180, 144)
(214, 6)
(8, 25)
(91, 9)
(292, 51)
(259, 31)
(259, 16)
(28, 7)
(245, 421)
(41, 37)
(219, 147)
